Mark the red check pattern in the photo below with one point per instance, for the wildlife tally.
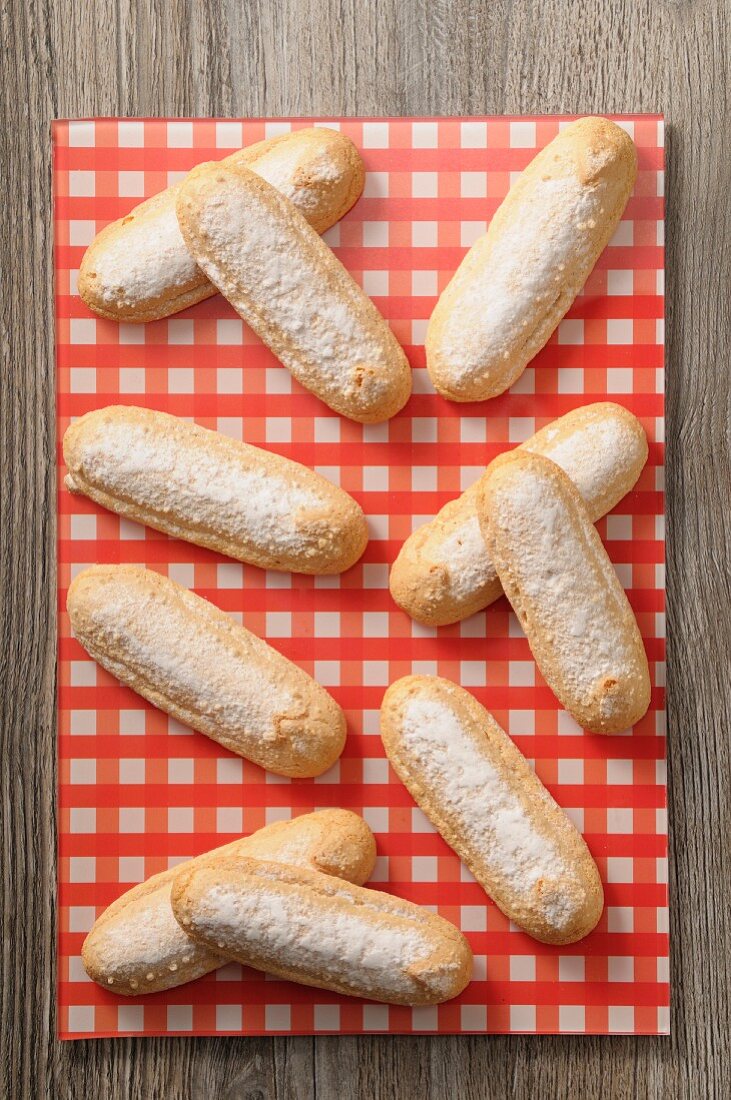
(138, 792)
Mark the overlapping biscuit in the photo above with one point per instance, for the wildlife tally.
(563, 588)
(194, 662)
(214, 491)
(136, 946)
(443, 572)
(138, 267)
(319, 931)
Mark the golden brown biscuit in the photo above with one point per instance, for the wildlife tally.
(481, 794)
(443, 572)
(288, 285)
(191, 660)
(565, 592)
(319, 931)
(138, 268)
(136, 946)
(214, 491)
(517, 282)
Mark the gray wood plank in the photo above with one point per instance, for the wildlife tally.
(395, 57)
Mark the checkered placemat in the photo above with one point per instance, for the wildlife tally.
(138, 792)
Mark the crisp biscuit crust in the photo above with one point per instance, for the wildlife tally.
(323, 932)
(443, 572)
(214, 491)
(489, 805)
(138, 269)
(286, 283)
(563, 588)
(517, 282)
(136, 946)
(191, 660)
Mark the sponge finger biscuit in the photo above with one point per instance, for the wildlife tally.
(136, 946)
(194, 662)
(214, 491)
(138, 268)
(565, 592)
(489, 805)
(288, 285)
(318, 931)
(517, 282)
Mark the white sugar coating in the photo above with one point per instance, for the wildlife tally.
(263, 269)
(233, 682)
(184, 475)
(594, 455)
(338, 944)
(527, 262)
(147, 260)
(145, 933)
(294, 845)
(576, 600)
(325, 171)
(483, 808)
(279, 168)
(464, 554)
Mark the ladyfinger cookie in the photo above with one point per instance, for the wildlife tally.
(138, 268)
(287, 284)
(565, 592)
(478, 790)
(194, 662)
(443, 572)
(517, 282)
(303, 926)
(136, 946)
(214, 491)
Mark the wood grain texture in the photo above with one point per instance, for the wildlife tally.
(171, 57)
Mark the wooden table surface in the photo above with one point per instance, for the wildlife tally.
(71, 58)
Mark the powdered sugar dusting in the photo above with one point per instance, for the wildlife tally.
(341, 940)
(550, 565)
(594, 455)
(146, 261)
(464, 554)
(525, 265)
(143, 944)
(293, 845)
(195, 477)
(146, 929)
(485, 809)
(280, 169)
(234, 685)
